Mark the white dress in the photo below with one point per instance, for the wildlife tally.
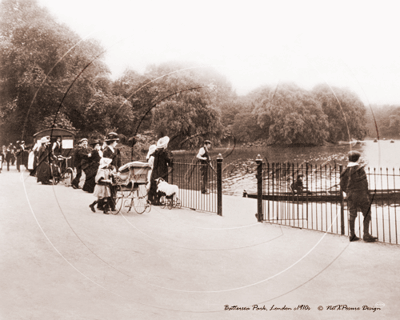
(101, 190)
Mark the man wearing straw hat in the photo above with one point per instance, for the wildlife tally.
(354, 182)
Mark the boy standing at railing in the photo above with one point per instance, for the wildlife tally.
(204, 159)
(354, 182)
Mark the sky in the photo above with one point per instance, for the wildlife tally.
(349, 44)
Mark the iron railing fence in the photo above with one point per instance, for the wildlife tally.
(189, 177)
(320, 205)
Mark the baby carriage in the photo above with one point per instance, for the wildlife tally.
(167, 194)
(130, 185)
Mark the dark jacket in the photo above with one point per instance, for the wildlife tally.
(81, 155)
(162, 160)
(108, 153)
(354, 179)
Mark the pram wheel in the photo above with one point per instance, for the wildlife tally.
(148, 207)
(119, 203)
(170, 202)
(140, 203)
(163, 202)
(177, 203)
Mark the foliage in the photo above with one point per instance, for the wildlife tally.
(58, 121)
(46, 69)
(383, 121)
(345, 111)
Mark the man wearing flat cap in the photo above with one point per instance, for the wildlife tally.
(81, 157)
(354, 182)
(204, 159)
(92, 166)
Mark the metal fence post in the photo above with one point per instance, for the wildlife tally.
(341, 204)
(259, 189)
(219, 184)
(172, 171)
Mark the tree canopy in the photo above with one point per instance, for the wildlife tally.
(49, 76)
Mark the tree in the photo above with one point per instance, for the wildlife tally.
(183, 107)
(45, 69)
(61, 121)
(345, 112)
(292, 115)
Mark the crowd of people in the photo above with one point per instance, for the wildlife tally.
(14, 154)
(98, 161)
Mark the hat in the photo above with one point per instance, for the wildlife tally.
(94, 142)
(112, 136)
(207, 141)
(82, 140)
(354, 156)
(104, 162)
(152, 148)
(162, 143)
(45, 139)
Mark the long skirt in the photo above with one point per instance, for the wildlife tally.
(43, 173)
(90, 178)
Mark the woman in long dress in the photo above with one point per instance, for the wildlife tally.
(162, 161)
(43, 171)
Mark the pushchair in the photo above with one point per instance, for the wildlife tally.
(130, 185)
(168, 198)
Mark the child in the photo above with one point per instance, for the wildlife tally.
(102, 189)
(354, 182)
(297, 186)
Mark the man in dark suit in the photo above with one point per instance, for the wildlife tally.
(82, 153)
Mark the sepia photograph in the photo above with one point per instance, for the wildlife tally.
(199, 160)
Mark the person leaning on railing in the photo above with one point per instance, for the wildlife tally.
(204, 158)
(354, 182)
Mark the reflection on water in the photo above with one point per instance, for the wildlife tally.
(240, 167)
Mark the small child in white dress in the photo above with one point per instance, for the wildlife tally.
(102, 189)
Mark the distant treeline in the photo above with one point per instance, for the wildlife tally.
(49, 76)
(383, 120)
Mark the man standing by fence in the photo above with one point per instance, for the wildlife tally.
(354, 182)
(204, 158)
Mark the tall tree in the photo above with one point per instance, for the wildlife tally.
(44, 66)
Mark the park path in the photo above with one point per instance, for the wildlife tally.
(59, 260)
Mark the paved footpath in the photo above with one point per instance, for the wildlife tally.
(59, 260)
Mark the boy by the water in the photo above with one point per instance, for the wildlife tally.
(353, 181)
(204, 158)
(297, 186)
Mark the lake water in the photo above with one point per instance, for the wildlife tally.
(239, 164)
(377, 154)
